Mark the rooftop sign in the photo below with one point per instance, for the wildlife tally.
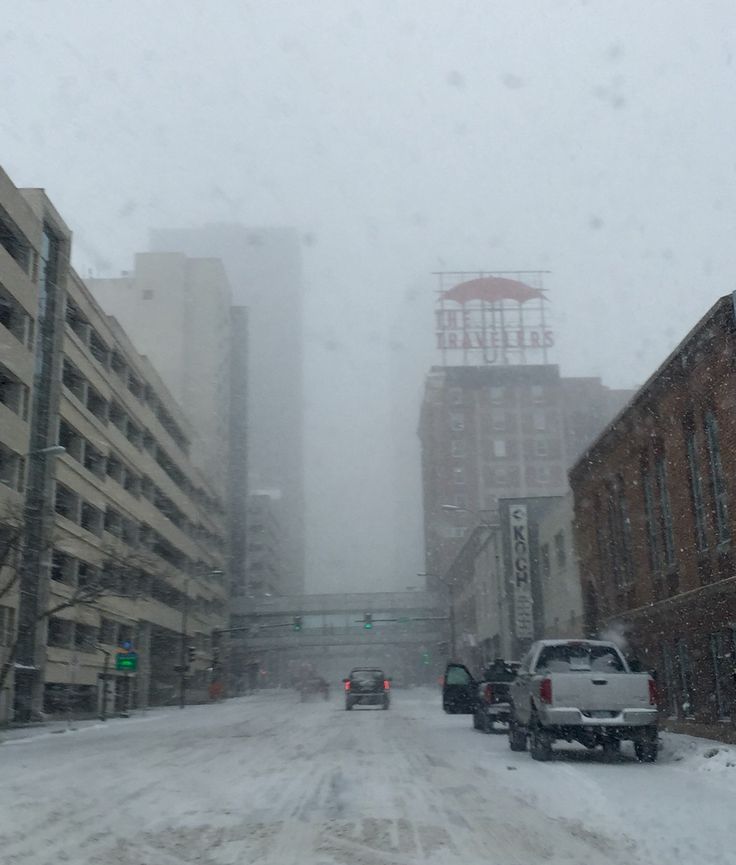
(492, 319)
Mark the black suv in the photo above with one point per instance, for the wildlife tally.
(367, 686)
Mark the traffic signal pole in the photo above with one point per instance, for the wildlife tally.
(183, 661)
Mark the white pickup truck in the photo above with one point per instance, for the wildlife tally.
(582, 691)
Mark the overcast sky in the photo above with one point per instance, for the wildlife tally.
(593, 139)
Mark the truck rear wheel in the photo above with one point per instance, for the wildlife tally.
(646, 750)
(540, 744)
(517, 737)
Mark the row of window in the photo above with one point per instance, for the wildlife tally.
(500, 448)
(539, 421)
(113, 359)
(708, 496)
(7, 626)
(78, 447)
(505, 475)
(73, 507)
(141, 439)
(679, 677)
(12, 469)
(499, 395)
(131, 581)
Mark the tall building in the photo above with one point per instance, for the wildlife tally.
(177, 311)
(508, 427)
(123, 540)
(265, 271)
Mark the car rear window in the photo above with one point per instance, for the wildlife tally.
(367, 677)
(573, 659)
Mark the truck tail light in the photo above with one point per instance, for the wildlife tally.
(488, 694)
(652, 692)
(386, 684)
(347, 686)
(545, 690)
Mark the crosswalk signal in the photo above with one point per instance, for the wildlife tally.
(297, 624)
(367, 621)
(191, 654)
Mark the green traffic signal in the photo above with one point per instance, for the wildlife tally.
(297, 626)
(367, 621)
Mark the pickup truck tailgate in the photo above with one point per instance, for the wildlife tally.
(600, 692)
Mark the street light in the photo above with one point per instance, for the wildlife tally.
(51, 451)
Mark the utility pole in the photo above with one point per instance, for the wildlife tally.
(183, 659)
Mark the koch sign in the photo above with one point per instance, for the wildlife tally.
(521, 572)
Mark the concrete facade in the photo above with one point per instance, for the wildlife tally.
(265, 271)
(655, 522)
(123, 540)
(177, 312)
(559, 574)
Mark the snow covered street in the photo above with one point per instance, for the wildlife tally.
(265, 779)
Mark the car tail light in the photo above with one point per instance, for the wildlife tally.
(386, 684)
(652, 692)
(347, 686)
(488, 694)
(545, 690)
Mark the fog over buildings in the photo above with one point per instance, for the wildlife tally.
(396, 140)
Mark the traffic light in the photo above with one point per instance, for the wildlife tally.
(191, 654)
(367, 621)
(425, 658)
(297, 625)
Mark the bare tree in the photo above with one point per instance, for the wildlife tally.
(119, 574)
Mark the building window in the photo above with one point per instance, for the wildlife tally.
(560, 551)
(540, 420)
(91, 518)
(722, 657)
(66, 503)
(686, 679)
(651, 521)
(457, 421)
(147, 294)
(545, 560)
(456, 396)
(458, 475)
(62, 567)
(7, 626)
(457, 448)
(499, 448)
(665, 511)
(59, 632)
(717, 480)
(696, 489)
(541, 448)
(108, 632)
(537, 393)
(85, 638)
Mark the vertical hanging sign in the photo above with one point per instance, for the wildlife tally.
(521, 572)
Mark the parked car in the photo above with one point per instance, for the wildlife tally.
(485, 698)
(367, 686)
(582, 691)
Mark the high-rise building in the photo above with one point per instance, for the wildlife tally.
(177, 312)
(265, 271)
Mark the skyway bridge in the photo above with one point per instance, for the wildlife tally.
(405, 633)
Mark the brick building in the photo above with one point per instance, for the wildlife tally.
(655, 510)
